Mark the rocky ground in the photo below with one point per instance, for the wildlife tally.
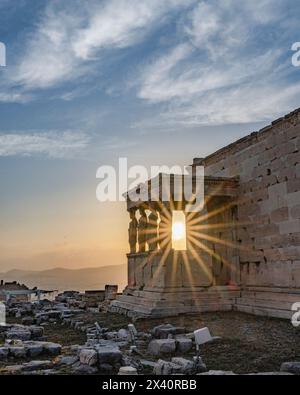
(60, 338)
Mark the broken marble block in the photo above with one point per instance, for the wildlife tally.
(79, 368)
(52, 348)
(109, 355)
(88, 356)
(217, 373)
(36, 365)
(68, 360)
(33, 348)
(36, 331)
(27, 320)
(202, 336)
(164, 330)
(183, 344)
(291, 367)
(159, 347)
(165, 368)
(123, 334)
(17, 352)
(187, 366)
(127, 370)
(18, 333)
(3, 353)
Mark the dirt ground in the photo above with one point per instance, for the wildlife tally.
(248, 343)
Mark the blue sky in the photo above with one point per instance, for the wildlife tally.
(157, 81)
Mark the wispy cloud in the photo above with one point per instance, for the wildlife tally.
(228, 67)
(17, 97)
(219, 54)
(52, 144)
(70, 36)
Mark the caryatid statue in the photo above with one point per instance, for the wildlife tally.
(132, 232)
(142, 230)
(152, 232)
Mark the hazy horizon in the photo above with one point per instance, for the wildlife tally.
(70, 279)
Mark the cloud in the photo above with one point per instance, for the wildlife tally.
(217, 52)
(52, 144)
(69, 37)
(228, 26)
(172, 76)
(17, 97)
(121, 24)
(221, 72)
(241, 104)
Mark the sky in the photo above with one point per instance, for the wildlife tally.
(156, 81)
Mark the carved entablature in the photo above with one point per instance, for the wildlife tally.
(154, 192)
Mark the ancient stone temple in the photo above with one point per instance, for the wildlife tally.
(242, 245)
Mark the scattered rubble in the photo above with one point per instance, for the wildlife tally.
(165, 350)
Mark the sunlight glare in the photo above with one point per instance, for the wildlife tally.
(178, 231)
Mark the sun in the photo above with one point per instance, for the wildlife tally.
(178, 231)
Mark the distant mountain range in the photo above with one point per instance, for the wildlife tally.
(70, 279)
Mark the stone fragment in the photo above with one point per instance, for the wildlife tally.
(27, 320)
(13, 342)
(68, 360)
(148, 364)
(109, 355)
(52, 348)
(127, 370)
(200, 366)
(164, 330)
(291, 367)
(217, 373)
(271, 374)
(21, 334)
(123, 334)
(17, 352)
(202, 336)
(132, 329)
(165, 368)
(111, 335)
(159, 347)
(187, 366)
(3, 353)
(36, 365)
(85, 369)
(88, 356)
(36, 331)
(33, 349)
(183, 344)
(75, 347)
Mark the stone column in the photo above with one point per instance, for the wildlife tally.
(142, 230)
(132, 231)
